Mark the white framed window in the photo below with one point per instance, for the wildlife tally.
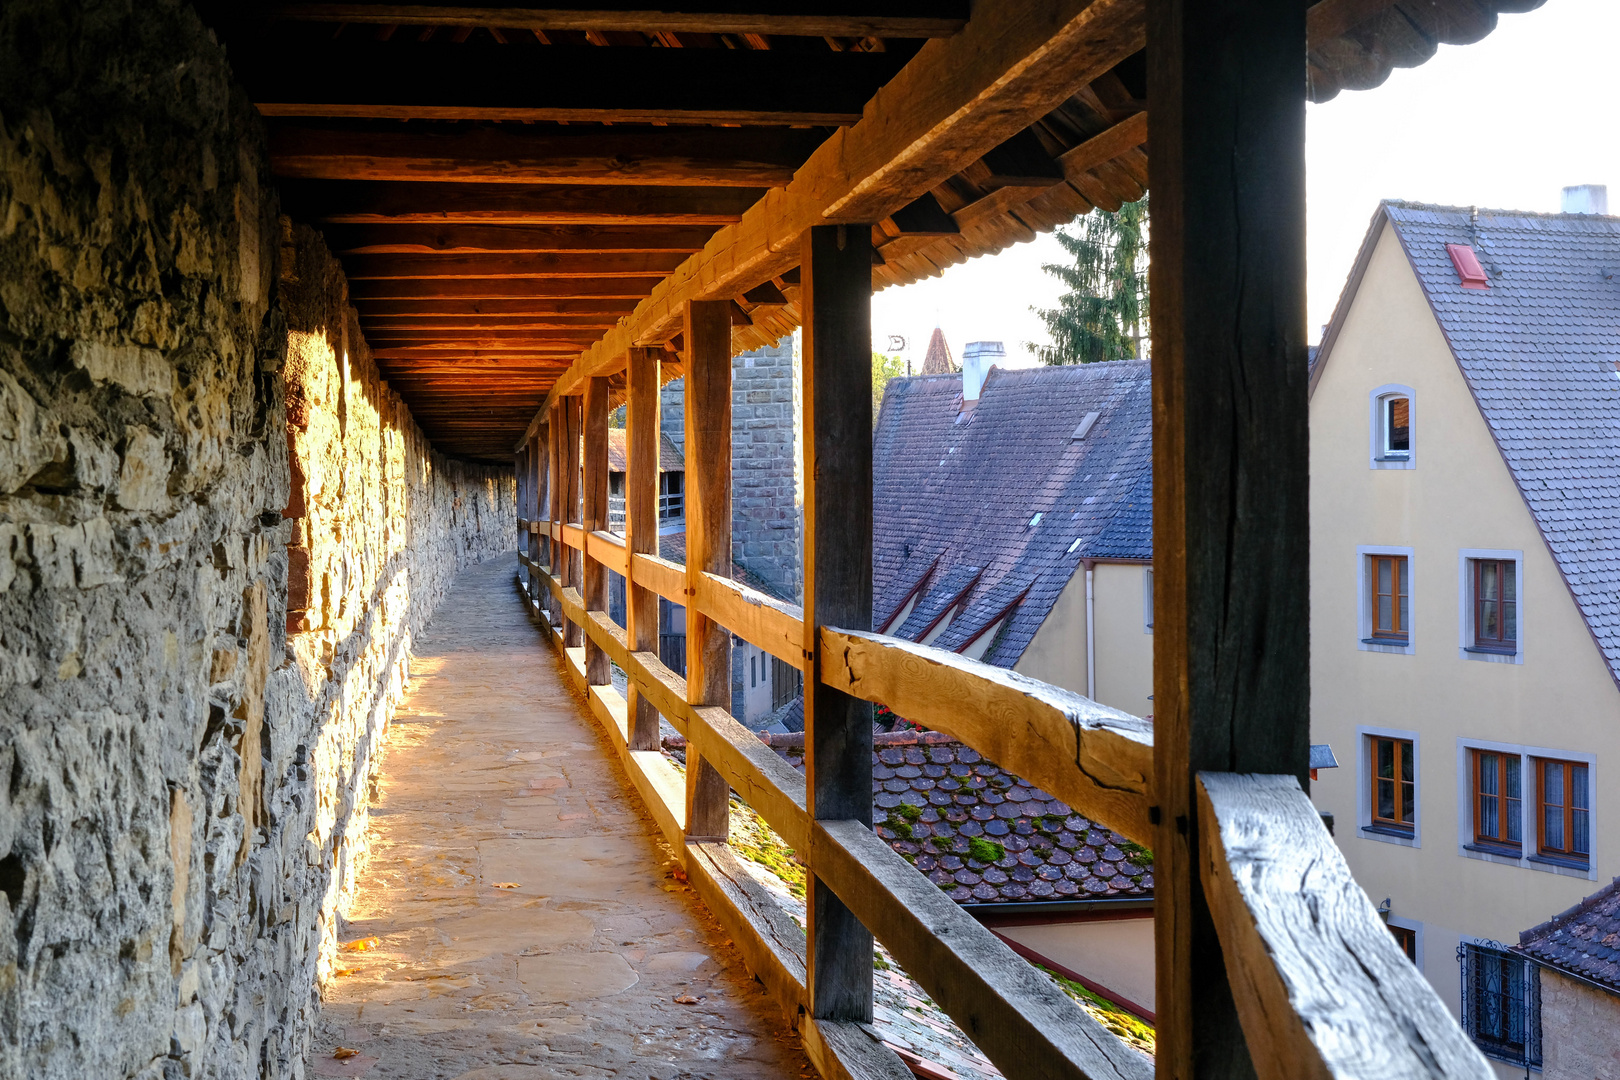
(1389, 805)
(1527, 806)
(1392, 428)
(1490, 605)
(1147, 600)
(1385, 599)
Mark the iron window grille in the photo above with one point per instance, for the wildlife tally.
(1501, 1002)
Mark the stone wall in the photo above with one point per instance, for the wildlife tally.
(767, 491)
(1580, 1030)
(186, 779)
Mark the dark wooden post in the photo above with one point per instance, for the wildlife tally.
(641, 527)
(1231, 573)
(836, 297)
(598, 669)
(708, 542)
(574, 566)
(537, 503)
(554, 500)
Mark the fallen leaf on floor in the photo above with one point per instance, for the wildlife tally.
(343, 973)
(508, 885)
(362, 945)
(686, 999)
(344, 1053)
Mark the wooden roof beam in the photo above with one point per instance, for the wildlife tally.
(467, 239)
(729, 157)
(442, 81)
(955, 101)
(380, 202)
(894, 19)
(569, 264)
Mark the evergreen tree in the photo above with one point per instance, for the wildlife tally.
(1104, 314)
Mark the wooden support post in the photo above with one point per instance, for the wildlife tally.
(836, 298)
(708, 542)
(574, 564)
(537, 505)
(1230, 495)
(554, 500)
(641, 526)
(598, 669)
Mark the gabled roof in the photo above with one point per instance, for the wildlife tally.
(1538, 348)
(1584, 941)
(964, 487)
(669, 455)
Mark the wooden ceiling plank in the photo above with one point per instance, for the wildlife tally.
(956, 100)
(629, 288)
(547, 264)
(450, 307)
(891, 20)
(484, 81)
(682, 156)
(376, 201)
(468, 239)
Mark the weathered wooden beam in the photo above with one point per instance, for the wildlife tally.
(418, 237)
(486, 81)
(595, 516)
(1322, 988)
(1230, 480)
(641, 525)
(836, 295)
(500, 288)
(374, 312)
(761, 620)
(536, 264)
(383, 202)
(708, 540)
(1017, 1016)
(957, 99)
(1096, 759)
(728, 157)
(554, 498)
(573, 534)
(896, 18)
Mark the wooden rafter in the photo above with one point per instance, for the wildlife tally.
(514, 204)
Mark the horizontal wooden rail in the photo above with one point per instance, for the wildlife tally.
(1096, 759)
(763, 621)
(573, 536)
(1322, 987)
(608, 550)
(663, 577)
(1016, 1015)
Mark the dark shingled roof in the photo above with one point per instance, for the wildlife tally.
(961, 488)
(1539, 350)
(669, 455)
(1584, 941)
(1051, 853)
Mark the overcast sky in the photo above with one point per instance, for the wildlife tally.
(1505, 123)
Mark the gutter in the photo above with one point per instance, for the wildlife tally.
(1058, 907)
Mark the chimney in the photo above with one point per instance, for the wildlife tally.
(977, 360)
(1586, 199)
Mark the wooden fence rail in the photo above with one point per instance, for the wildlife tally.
(1324, 990)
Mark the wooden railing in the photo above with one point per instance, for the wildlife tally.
(1323, 988)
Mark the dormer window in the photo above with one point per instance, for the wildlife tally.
(1391, 415)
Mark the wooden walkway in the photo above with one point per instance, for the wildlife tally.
(494, 776)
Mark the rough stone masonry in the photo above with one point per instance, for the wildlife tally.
(219, 531)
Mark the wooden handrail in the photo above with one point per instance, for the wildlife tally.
(1016, 1015)
(573, 536)
(1321, 986)
(608, 550)
(663, 577)
(1096, 759)
(761, 620)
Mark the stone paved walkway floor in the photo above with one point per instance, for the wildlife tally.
(528, 925)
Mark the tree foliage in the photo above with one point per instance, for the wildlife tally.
(884, 368)
(1104, 314)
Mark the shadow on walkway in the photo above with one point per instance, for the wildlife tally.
(528, 925)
